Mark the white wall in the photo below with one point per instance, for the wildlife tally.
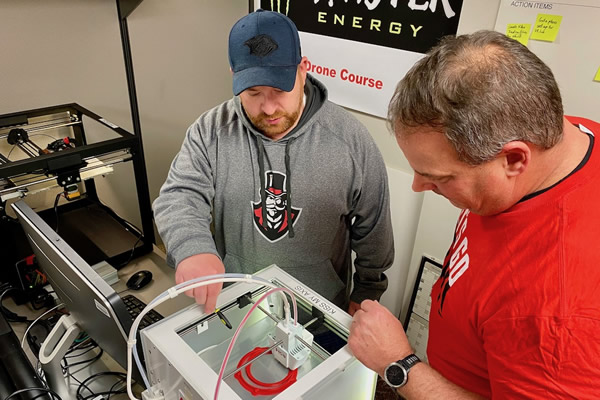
(475, 15)
(405, 218)
(179, 50)
(65, 51)
(432, 233)
(62, 51)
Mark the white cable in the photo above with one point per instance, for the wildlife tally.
(184, 286)
(171, 293)
(239, 329)
(181, 288)
(138, 362)
(36, 320)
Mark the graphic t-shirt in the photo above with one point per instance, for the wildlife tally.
(516, 312)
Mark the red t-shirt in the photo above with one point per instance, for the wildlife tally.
(516, 312)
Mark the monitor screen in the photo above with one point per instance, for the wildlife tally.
(96, 307)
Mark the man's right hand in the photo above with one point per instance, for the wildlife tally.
(197, 266)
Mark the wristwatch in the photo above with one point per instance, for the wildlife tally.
(396, 374)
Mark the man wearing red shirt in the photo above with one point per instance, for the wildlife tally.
(516, 312)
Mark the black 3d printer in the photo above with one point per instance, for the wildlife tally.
(50, 149)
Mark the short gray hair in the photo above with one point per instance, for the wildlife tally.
(482, 91)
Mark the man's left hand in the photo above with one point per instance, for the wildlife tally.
(377, 337)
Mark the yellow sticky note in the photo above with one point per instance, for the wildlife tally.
(546, 27)
(597, 78)
(519, 32)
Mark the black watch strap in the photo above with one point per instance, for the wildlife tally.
(409, 361)
(396, 374)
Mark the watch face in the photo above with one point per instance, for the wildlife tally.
(395, 375)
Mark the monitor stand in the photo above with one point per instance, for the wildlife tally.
(53, 349)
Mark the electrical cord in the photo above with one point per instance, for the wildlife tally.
(35, 134)
(48, 391)
(239, 329)
(177, 290)
(10, 152)
(43, 298)
(121, 219)
(112, 390)
(86, 344)
(36, 320)
(71, 376)
(10, 316)
(87, 350)
(132, 251)
(129, 225)
(39, 371)
(84, 337)
(41, 394)
(56, 209)
(79, 396)
(87, 362)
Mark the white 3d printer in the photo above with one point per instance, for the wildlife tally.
(183, 352)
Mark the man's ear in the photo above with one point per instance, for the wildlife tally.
(516, 157)
(303, 66)
(304, 62)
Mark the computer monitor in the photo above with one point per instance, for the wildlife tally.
(95, 306)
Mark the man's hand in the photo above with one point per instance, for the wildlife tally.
(197, 266)
(353, 307)
(377, 337)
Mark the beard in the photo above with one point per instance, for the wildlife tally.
(287, 121)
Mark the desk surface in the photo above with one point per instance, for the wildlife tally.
(163, 277)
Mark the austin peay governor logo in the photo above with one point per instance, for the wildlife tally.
(411, 25)
(276, 224)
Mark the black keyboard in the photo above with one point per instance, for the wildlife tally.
(135, 307)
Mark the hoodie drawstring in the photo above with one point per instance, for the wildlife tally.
(288, 188)
(288, 184)
(261, 172)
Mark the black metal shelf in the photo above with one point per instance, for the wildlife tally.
(66, 164)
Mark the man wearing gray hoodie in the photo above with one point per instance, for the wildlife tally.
(278, 175)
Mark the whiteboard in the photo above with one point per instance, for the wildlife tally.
(574, 56)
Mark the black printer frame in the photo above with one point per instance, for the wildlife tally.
(50, 166)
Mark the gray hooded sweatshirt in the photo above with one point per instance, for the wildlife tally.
(231, 191)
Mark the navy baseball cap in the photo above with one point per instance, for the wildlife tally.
(264, 50)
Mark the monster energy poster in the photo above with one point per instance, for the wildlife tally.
(360, 49)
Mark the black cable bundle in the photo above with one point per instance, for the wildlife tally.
(18, 372)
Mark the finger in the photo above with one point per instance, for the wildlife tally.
(367, 305)
(200, 295)
(211, 297)
(179, 278)
(358, 315)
